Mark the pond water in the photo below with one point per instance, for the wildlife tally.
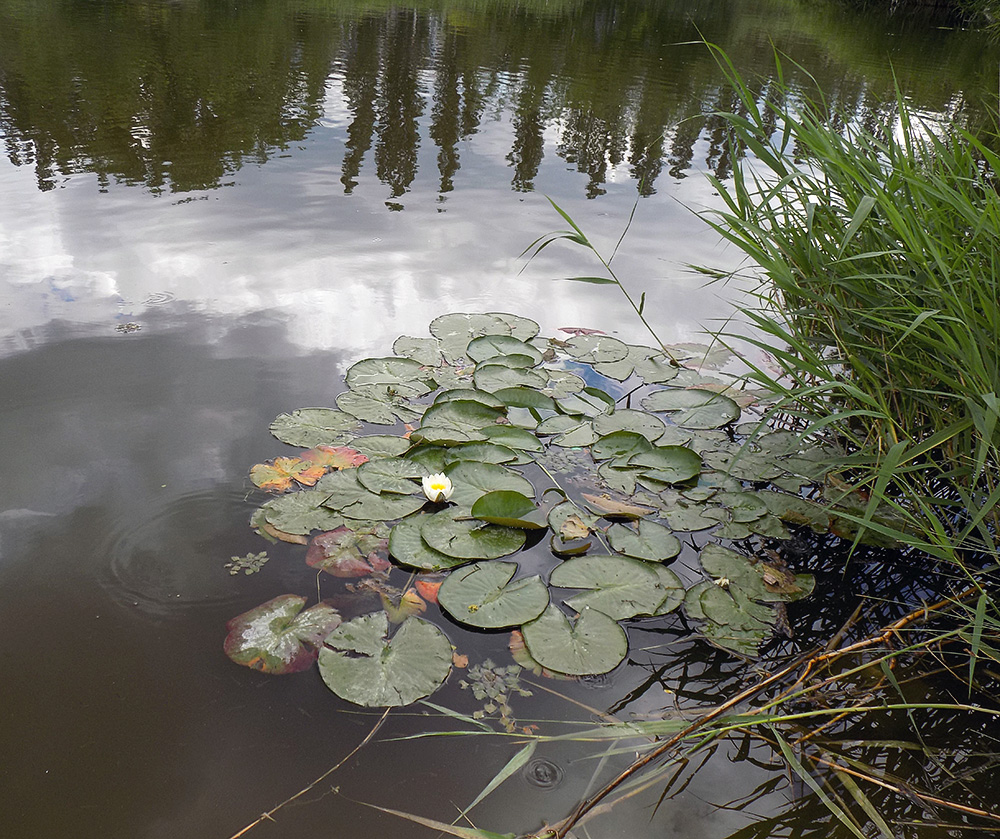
(209, 211)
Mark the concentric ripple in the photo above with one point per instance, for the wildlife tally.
(542, 773)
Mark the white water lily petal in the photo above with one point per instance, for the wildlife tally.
(437, 487)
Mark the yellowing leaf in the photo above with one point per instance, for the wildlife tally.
(279, 474)
(335, 457)
(573, 527)
(409, 604)
(608, 506)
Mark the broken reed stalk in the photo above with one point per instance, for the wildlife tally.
(808, 663)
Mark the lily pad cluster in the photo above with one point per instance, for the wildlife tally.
(484, 401)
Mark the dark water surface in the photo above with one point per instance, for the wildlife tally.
(271, 191)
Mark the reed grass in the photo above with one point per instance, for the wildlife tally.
(878, 257)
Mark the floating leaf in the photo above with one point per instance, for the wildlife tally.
(519, 652)
(472, 480)
(456, 330)
(756, 580)
(510, 509)
(408, 548)
(656, 370)
(694, 408)
(410, 604)
(360, 664)
(590, 349)
(453, 533)
(520, 327)
(366, 408)
(562, 383)
(402, 376)
(428, 590)
(796, 510)
(611, 508)
(651, 541)
(514, 438)
(350, 551)
(491, 346)
(481, 453)
(743, 506)
(277, 636)
(621, 444)
(592, 645)
(457, 421)
(625, 419)
(310, 427)
(301, 513)
(482, 595)
(469, 394)
(348, 496)
(682, 515)
(494, 377)
(375, 446)
(524, 397)
(618, 586)
(425, 351)
(279, 474)
(669, 464)
(672, 584)
(338, 457)
(260, 524)
(391, 474)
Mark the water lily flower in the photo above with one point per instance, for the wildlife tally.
(438, 487)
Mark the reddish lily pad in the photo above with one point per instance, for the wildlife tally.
(278, 637)
(351, 552)
(278, 475)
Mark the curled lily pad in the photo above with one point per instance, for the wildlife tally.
(482, 595)
(453, 533)
(510, 509)
(277, 636)
(301, 512)
(361, 664)
(472, 480)
(649, 541)
(694, 408)
(408, 548)
(618, 586)
(592, 645)
(313, 427)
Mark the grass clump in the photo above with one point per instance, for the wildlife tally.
(878, 253)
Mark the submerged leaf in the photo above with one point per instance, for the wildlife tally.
(277, 636)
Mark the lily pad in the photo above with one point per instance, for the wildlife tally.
(361, 664)
(471, 394)
(366, 408)
(482, 595)
(279, 474)
(621, 444)
(350, 551)
(694, 408)
(618, 586)
(514, 438)
(277, 636)
(348, 496)
(669, 464)
(408, 548)
(651, 541)
(525, 397)
(403, 376)
(563, 383)
(592, 645)
(510, 509)
(494, 377)
(490, 346)
(570, 522)
(425, 351)
(756, 580)
(391, 474)
(520, 327)
(626, 419)
(453, 533)
(301, 513)
(481, 453)
(458, 421)
(455, 331)
(310, 427)
(591, 349)
(375, 446)
(472, 480)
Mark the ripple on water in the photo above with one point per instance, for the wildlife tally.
(171, 559)
(542, 773)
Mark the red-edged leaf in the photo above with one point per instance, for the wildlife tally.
(349, 552)
(335, 457)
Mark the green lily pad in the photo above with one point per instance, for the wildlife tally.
(525, 397)
(591, 349)
(455, 331)
(408, 548)
(669, 464)
(514, 438)
(376, 446)
(755, 580)
(348, 496)
(472, 480)
(491, 346)
(404, 376)
(494, 377)
(562, 383)
(521, 328)
(391, 474)
(510, 509)
(589, 402)
(656, 369)
(469, 394)
(619, 477)
(796, 510)
(361, 664)
(481, 453)
(618, 586)
(592, 645)
(694, 408)
(314, 427)
(366, 408)
(425, 351)
(569, 522)
(651, 541)
(277, 636)
(683, 515)
(743, 506)
(301, 512)
(672, 584)
(626, 419)
(482, 595)
(454, 533)
(621, 444)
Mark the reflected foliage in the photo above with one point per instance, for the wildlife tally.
(178, 97)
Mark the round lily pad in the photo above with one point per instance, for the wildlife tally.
(314, 427)
(301, 512)
(620, 444)
(391, 474)
(481, 453)
(408, 548)
(455, 330)
(510, 509)
(618, 586)
(592, 645)
(494, 377)
(458, 420)
(452, 533)
(472, 480)
(669, 464)
(403, 376)
(596, 348)
(520, 327)
(514, 438)
(694, 408)
(755, 580)
(425, 351)
(366, 408)
(360, 664)
(651, 541)
(482, 595)
(375, 446)
(626, 419)
(471, 394)
(491, 346)
(277, 636)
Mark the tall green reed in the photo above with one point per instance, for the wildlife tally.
(879, 299)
